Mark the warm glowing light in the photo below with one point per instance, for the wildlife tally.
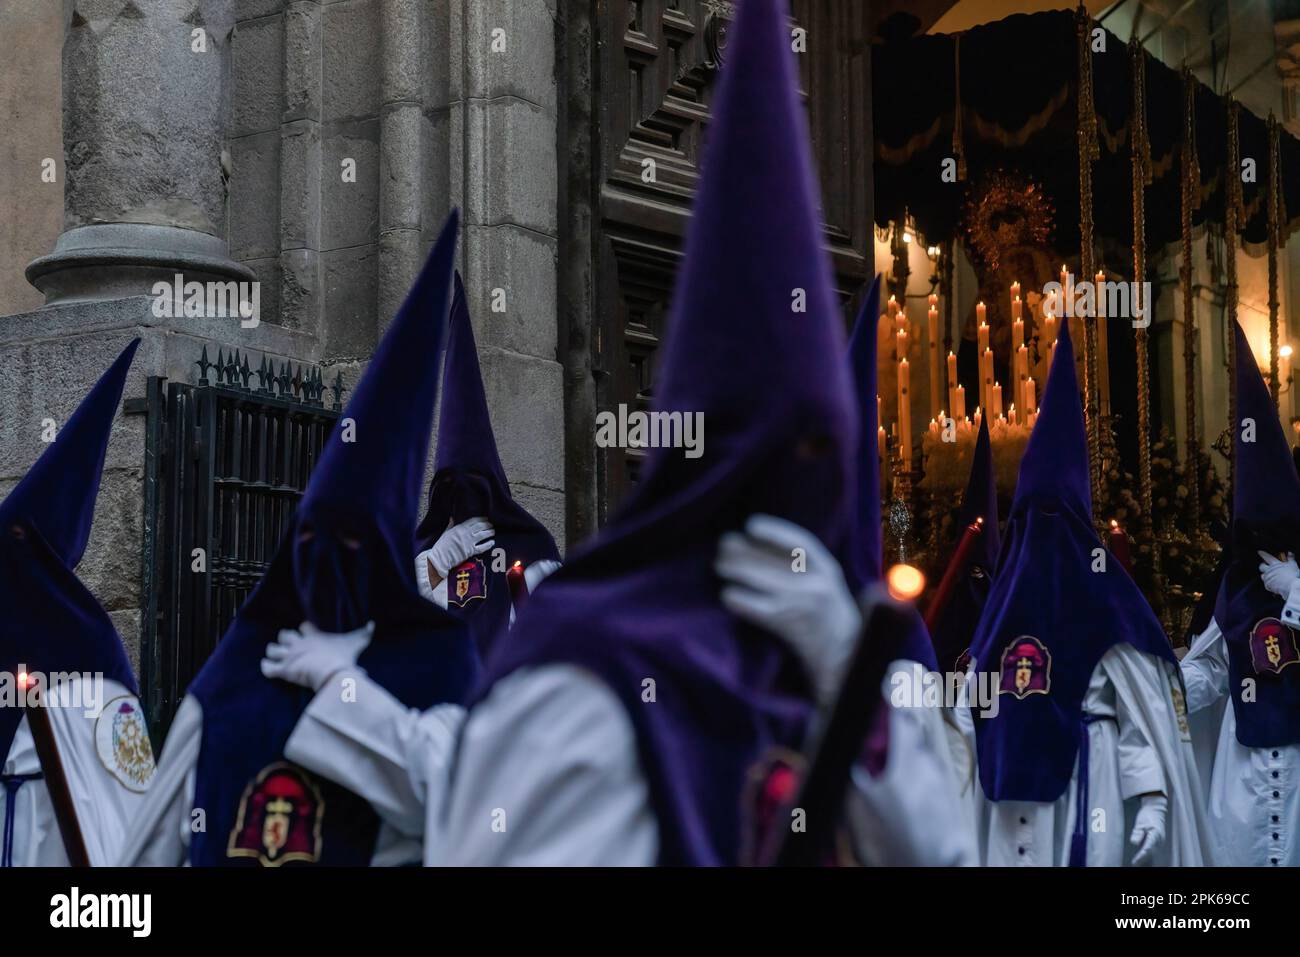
(1114, 524)
(980, 521)
(518, 564)
(907, 237)
(905, 582)
(22, 679)
(1285, 352)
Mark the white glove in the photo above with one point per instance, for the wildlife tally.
(811, 610)
(1149, 829)
(1278, 575)
(474, 536)
(310, 657)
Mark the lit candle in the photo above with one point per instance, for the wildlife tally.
(1022, 373)
(900, 345)
(980, 315)
(997, 399)
(936, 384)
(1017, 333)
(893, 307)
(1015, 291)
(517, 584)
(952, 382)
(1065, 279)
(934, 300)
(1119, 545)
(1098, 298)
(880, 441)
(1017, 308)
(959, 403)
(987, 395)
(1284, 368)
(1031, 397)
(904, 413)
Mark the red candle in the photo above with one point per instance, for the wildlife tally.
(1119, 545)
(518, 587)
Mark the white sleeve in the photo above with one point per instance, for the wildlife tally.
(1205, 669)
(1139, 762)
(429, 592)
(160, 833)
(547, 774)
(376, 747)
(910, 815)
(538, 572)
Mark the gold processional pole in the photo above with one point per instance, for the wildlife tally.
(1089, 152)
(1141, 155)
(1191, 199)
(1274, 232)
(1232, 216)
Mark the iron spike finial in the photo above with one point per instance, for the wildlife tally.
(204, 365)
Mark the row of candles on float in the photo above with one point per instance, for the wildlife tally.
(1024, 391)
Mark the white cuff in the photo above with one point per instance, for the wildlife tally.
(1291, 610)
(422, 578)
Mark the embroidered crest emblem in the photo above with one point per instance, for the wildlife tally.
(468, 581)
(1272, 646)
(1026, 668)
(122, 743)
(279, 818)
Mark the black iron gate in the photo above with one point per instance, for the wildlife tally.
(226, 461)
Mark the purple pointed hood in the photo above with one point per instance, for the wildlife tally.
(1059, 602)
(347, 557)
(51, 622)
(755, 345)
(469, 480)
(1265, 517)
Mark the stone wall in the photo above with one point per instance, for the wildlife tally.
(436, 111)
(435, 108)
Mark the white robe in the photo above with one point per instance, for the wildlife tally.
(1254, 793)
(547, 773)
(107, 777)
(1139, 746)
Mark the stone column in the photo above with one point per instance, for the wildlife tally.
(145, 96)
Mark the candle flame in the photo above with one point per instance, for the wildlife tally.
(905, 582)
(23, 678)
